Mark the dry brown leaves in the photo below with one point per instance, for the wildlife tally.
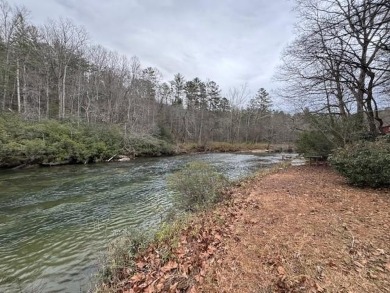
(305, 230)
(299, 230)
(188, 261)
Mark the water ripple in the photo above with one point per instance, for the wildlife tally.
(54, 222)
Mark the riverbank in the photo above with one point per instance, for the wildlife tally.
(48, 142)
(300, 229)
(76, 211)
(226, 147)
(51, 142)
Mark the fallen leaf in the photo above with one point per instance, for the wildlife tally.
(173, 287)
(159, 287)
(381, 251)
(218, 237)
(319, 288)
(169, 266)
(281, 270)
(372, 275)
(137, 278)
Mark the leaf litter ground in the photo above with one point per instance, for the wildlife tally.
(300, 229)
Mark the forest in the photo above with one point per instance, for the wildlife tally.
(338, 65)
(55, 72)
(335, 75)
(207, 222)
(337, 69)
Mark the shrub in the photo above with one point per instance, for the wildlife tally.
(197, 186)
(147, 145)
(315, 143)
(121, 254)
(51, 141)
(165, 134)
(364, 163)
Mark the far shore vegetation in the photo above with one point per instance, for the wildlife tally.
(65, 100)
(50, 142)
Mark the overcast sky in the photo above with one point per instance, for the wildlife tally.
(229, 41)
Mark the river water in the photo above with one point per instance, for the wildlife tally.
(56, 222)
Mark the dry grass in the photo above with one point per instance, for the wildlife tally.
(232, 147)
(305, 230)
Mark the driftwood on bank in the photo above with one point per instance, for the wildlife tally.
(109, 160)
(19, 167)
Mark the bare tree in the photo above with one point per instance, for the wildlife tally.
(340, 56)
(66, 42)
(238, 98)
(8, 21)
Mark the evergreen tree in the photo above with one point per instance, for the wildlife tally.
(178, 85)
(213, 96)
(261, 103)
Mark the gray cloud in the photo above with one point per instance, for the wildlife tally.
(230, 42)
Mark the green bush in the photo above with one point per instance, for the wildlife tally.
(364, 163)
(197, 186)
(165, 134)
(51, 141)
(314, 143)
(147, 145)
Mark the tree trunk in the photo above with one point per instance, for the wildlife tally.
(59, 98)
(18, 85)
(63, 92)
(78, 100)
(200, 128)
(370, 99)
(47, 97)
(5, 80)
(24, 89)
(39, 102)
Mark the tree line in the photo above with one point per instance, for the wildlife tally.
(54, 72)
(337, 70)
(339, 64)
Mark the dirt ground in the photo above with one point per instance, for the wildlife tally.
(300, 229)
(304, 229)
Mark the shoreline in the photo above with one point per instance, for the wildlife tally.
(182, 149)
(296, 227)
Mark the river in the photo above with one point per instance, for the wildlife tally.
(55, 222)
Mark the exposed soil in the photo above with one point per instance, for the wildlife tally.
(301, 229)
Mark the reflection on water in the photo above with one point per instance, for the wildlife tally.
(55, 221)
